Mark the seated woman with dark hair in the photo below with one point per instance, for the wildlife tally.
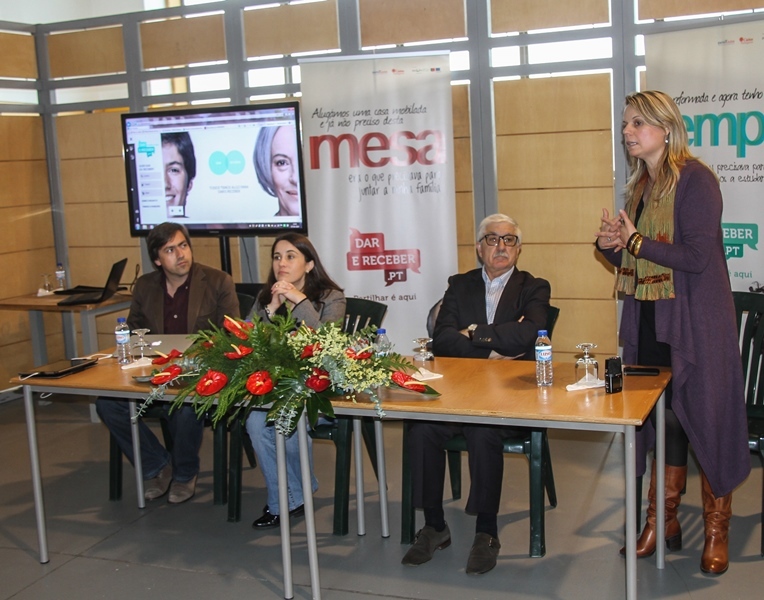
(298, 281)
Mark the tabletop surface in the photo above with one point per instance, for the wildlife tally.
(469, 387)
(50, 303)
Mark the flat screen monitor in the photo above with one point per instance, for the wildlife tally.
(219, 171)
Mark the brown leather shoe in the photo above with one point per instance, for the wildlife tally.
(427, 541)
(182, 491)
(485, 550)
(716, 517)
(157, 487)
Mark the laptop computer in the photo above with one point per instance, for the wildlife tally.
(111, 287)
(60, 368)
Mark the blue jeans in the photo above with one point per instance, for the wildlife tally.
(264, 442)
(186, 431)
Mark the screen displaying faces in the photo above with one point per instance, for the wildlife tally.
(234, 170)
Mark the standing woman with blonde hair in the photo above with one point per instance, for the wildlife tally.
(678, 312)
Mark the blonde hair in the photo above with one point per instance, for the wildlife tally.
(659, 110)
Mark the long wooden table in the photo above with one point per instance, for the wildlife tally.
(472, 390)
(37, 305)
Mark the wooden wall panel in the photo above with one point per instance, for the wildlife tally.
(105, 179)
(551, 160)
(553, 104)
(25, 229)
(180, 42)
(22, 138)
(562, 215)
(17, 356)
(22, 270)
(81, 233)
(574, 269)
(312, 27)
(401, 21)
(460, 108)
(465, 219)
(581, 321)
(86, 52)
(527, 15)
(462, 165)
(466, 258)
(30, 183)
(19, 56)
(94, 135)
(660, 9)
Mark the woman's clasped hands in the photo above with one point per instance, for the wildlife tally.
(614, 232)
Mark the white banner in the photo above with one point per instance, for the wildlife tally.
(379, 172)
(715, 76)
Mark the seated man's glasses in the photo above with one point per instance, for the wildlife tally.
(493, 240)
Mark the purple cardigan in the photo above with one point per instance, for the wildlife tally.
(699, 325)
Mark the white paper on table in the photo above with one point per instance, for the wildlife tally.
(424, 375)
(583, 384)
(141, 362)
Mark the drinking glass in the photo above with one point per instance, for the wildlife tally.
(423, 353)
(140, 345)
(46, 282)
(587, 368)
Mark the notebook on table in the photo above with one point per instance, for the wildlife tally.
(101, 294)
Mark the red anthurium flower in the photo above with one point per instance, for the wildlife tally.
(211, 383)
(407, 382)
(310, 350)
(318, 381)
(166, 375)
(237, 327)
(259, 383)
(352, 353)
(240, 351)
(207, 345)
(163, 359)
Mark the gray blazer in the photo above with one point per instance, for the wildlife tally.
(331, 307)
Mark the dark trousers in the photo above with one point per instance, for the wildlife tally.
(485, 451)
(185, 428)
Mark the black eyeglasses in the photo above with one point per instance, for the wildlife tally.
(493, 240)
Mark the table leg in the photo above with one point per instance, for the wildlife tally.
(538, 542)
(37, 332)
(382, 477)
(660, 484)
(286, 544)
(310, 517)
(34, 458)
(630, 467)
(70, 333)
(359, 491)
(137, 453)
(89, 333)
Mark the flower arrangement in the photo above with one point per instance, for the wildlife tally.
(231, 370)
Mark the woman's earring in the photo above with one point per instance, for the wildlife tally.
(666, 140)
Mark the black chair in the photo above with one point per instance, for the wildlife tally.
(749, 310)
(532, 442)
(359, 313)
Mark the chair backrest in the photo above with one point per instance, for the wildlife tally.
(251, 289)
(432, 316)
(749, 312)
(360, 313)
(246, 302)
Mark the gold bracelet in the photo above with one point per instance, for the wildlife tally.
(631, 240)
(637, 246)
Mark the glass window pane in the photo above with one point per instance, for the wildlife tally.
(90, 94)
(460, 61)
(505, 57)
(568, 51)
(265, 77)
(13, 96)
(209, 82)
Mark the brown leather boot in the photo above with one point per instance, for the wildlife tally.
(716, 516)
(676, 477)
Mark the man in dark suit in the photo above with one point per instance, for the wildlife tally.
(492, 312)
(179, 297)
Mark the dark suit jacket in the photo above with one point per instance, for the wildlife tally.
(464, 304)
(212, 296)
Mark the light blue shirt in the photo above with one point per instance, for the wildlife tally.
(493, 291)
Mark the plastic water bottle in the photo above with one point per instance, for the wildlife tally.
(60, 276)
(543, 359)
(382, 345)
(122, 335)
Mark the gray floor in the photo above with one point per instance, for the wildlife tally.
(102, 549)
